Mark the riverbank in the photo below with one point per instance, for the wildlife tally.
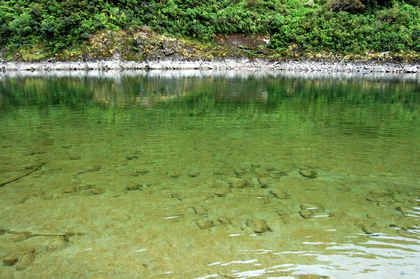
(228, 64)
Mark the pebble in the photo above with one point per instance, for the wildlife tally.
(193, 173)
(142, 171)
(277, 174)
(367, 229)
(179, 196)
(10, 260)
(94, 191)
(236, 182)
(199, 210)
(280, 194)
(308, 172)
(403, 210)
(204, 224)
(257, 225)
(70, 190)
(373, 198)
(175, 174)
(25, 261)
(84, 187)
(221, 192)
(220, 171)
(239, 172)
(381, 193)
(264, 182)
(306, 213)
(133, 187)
(224, 221)
(316, 208)
(338, 214)
(75, 157)
(57, 243)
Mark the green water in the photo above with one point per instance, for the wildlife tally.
(189, 174)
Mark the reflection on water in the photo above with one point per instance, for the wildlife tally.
(187, 174)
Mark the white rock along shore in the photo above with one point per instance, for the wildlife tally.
(227, 64)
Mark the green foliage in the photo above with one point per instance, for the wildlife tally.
(345, 26)
(390, 29)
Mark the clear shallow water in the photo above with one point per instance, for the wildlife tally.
(188, 174)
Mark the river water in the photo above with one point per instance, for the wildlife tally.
(189, 174)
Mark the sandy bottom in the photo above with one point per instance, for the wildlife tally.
(208, 204)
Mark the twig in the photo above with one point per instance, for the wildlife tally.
(35, 168)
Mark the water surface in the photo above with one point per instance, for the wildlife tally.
(188, 174)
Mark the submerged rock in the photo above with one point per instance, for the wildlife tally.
(257, 225)
(10, 260)
(134, 187)
(236, 182)
(306, 213)
(308, 172)
(224, 221)
(94, 191)
(199, 210)
(57, 243)
(26, 261)
(204, 224)
(279, 194)
(194, 173)
(309, 210)
(221, 192)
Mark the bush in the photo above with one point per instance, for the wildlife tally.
(334, 25)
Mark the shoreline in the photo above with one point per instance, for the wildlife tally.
(226, 64)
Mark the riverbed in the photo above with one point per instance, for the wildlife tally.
(209, 174)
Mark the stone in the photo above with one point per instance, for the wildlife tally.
(236, 182)
(308, 172)
(84, 187)
(277, 174)
(306, 213)
(178, 195)
(204, 224)
(239, 172)
(224, 221)
(381, 193)
(279, 194)
(193, 173)
(175, 174)
(75, 157)
(373, 198)
(221, 192)
(57, 243)
(94, 191)
(221, 171)
(337, 214)
(133, 188)
(70, 190)
(283, 215)
(264, 182)
(367, 228)
(257, 225)
(142, 171)
(25, 261)
(199, 210)
(404, 210)
(315, 208)
(10, 260)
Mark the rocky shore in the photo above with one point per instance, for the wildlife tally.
(225, 64)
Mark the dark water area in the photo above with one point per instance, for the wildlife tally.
(207, 174)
